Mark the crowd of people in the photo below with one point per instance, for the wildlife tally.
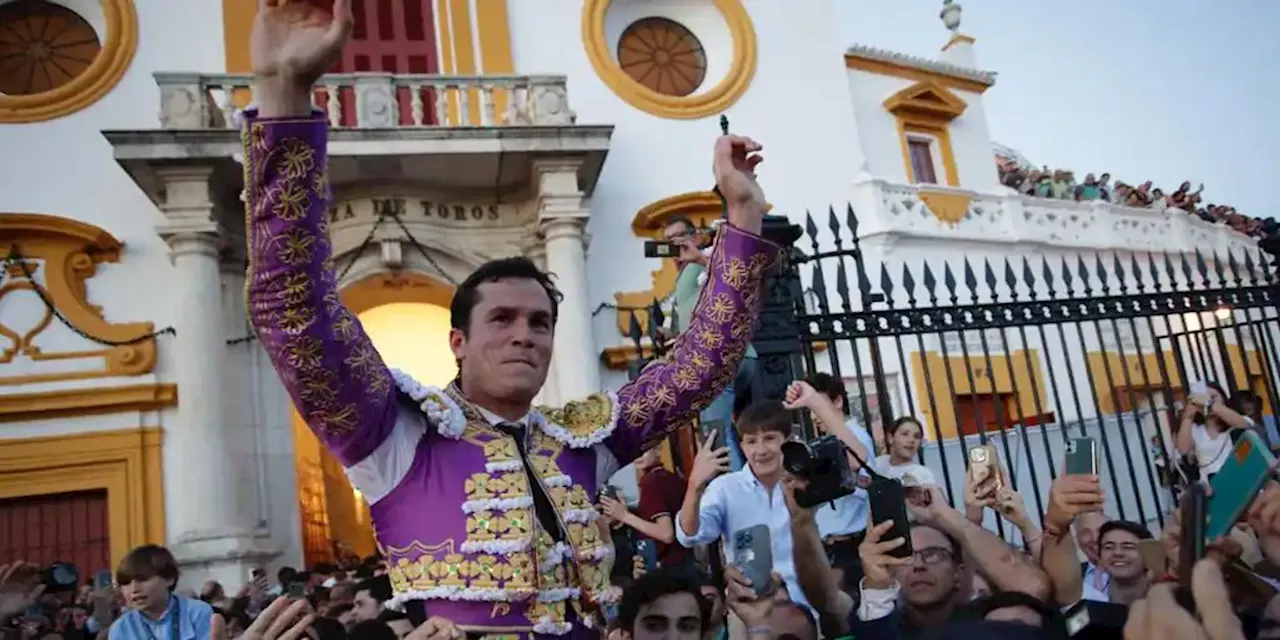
(1061, 184)
(833, 572)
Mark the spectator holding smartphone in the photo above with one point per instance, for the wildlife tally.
(1203, 434)
(661, 493)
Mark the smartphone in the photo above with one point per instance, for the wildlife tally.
(1191, 536)
(753, 555)
(102, 579)
(1198, 393)
(609, 491)
(297, 589)
(259, 573)
(660, 249)
(1081, 457)
(1237, 483)
(648, 552)
(888, 500)
(983, 462)
(1153, 556)
(717, 427)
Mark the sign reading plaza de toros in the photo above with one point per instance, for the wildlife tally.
(410, 209)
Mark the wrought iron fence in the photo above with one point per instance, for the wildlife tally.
(1024, 352)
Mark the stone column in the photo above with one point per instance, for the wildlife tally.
(211, 534)
(550, 394)
(563, 218)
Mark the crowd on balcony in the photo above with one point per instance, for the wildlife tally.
(1061, 184)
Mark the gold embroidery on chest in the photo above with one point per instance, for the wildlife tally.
(513, 524)
(583, 417)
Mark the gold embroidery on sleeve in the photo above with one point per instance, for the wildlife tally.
(291, 202)
(304, 352)
(733, 272)
(295, 246)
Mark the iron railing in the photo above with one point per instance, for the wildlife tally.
(1024, 352)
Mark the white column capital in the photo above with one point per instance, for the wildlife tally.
(187, 204)
(553, 227)
(558, 170)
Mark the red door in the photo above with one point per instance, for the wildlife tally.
(391, 36)
(63, 527)
(982, 413)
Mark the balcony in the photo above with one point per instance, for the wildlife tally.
(377, 100)
(940, 213)
(463, 132)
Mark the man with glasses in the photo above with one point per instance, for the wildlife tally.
(935, 582)
(691, 262)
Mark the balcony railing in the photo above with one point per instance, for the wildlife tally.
(956, 214)
(376, 100)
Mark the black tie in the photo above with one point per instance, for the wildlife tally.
(541, 502)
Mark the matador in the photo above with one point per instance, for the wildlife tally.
(481, 503)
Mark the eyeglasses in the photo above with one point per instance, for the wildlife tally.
(932, 555)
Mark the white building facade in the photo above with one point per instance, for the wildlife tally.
(131, 389)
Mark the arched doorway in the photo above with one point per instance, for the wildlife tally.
(407, 317)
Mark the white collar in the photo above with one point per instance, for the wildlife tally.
(495, 419)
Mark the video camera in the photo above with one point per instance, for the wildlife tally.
(824, 466)
(57, 577)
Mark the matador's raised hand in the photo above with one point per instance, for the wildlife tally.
(735, 163)
(292, 45)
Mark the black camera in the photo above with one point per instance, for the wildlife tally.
(59, 577)
(823, 465)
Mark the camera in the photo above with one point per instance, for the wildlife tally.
(823, 465)
(59, 577)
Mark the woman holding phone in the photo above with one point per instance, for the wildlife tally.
(1204, 433)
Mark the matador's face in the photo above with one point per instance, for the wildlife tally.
(506, 350)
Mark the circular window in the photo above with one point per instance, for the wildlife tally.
(663, 56)
(43, 46)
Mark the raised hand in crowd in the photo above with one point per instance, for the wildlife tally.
(877, 564)
(1158, 616)
(753, 609)
(17, 590)
(291, 46)
(614, 508)
(1069, 496)
(436, 628)
(283, 619)
(709, 462)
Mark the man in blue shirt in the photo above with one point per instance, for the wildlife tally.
(148, 576)
(842, 523)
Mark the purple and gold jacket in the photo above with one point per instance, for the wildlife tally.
(450, 501)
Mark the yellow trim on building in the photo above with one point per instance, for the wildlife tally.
(914, 74)
(43, 405)
(66, 253)
(98, 80)
(933, 393)
(958, 39)
(494, 33)
(126, 463)
(1129, 382)
(927, 108)
(700, 207)
(699, 105)
(947, 206)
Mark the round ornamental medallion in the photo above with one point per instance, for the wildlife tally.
(662, 55)
(43, 46)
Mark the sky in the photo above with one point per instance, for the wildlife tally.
(1164, 91)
